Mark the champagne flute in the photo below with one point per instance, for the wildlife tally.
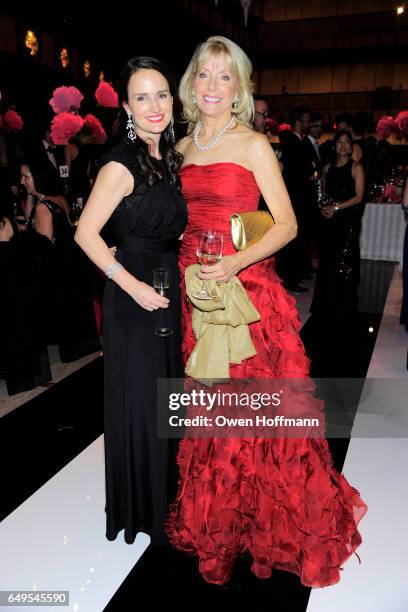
(161, 284)
(209, 253)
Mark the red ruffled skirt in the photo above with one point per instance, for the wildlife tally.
(279, 499)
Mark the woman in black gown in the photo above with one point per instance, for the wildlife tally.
(137, 190)
(67, 295)
(335, 296)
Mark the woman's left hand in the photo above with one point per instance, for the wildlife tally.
(222, 271)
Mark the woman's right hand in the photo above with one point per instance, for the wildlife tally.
(147, 297)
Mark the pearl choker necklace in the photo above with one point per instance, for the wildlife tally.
(212, 144)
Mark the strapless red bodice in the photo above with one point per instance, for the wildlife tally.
(213, 193)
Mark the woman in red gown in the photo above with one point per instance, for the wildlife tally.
(279, 499)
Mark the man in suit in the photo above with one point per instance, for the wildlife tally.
(261, 114)
(49, 156)
(54, 155)
(260, 125)
(315, 167)
(311, 143)
(292, 261)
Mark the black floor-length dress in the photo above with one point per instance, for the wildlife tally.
(141, 472)
(335, 296)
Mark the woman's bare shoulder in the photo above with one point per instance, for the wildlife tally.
(257, 145)
(357, 166)
(42, 211)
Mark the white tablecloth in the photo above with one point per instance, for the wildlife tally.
(382, 235)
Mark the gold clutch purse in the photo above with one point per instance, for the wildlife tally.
(249, 227)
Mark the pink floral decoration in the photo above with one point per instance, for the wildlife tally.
(390, 192)
(65, 126)
(386, 126)
(95, 127)
(13, 121)
(106, 96)
(65, 99)
(285, 126)
(402, 122)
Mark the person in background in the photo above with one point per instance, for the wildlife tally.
(261, 115)
(311, 143)
(293, 261)
(335, 297)
(344, 121)
(68, 300)
(79, 157)
(314, 160)
(260, 124)
(40, 146)
(24, 361)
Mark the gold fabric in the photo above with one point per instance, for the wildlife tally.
(220, 326)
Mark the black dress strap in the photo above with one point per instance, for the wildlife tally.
(53, 207)
(63, 230)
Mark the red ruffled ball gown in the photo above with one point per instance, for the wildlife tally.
(279, 499)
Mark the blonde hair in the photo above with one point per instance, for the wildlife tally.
(241, 68)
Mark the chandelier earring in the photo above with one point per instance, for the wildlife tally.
(130, 128)
(235, 103)
(194, 99)
(171, 129)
